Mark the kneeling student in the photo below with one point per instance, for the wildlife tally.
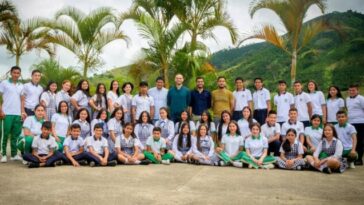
(156, 148)
(74, 147)
(44, 149)
(97, 149)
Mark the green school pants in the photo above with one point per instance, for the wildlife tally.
(267, 160)
(150, 156)
(12, 128)
(224, 157)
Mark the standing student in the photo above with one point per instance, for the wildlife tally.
(347, 134)
(303, 104)
(242, 98)
(125, 100)
(222, 99)
(328, 155)
(97, 150)
(178, 98)
(144, 128)
(115, 127)
(64, 94)
(335, 103)
(284, 101)
(256, 150)
(291, 153)
(159, 94)
(294, 124)
(31, 93)
(83, 119)
(113, 95)
(61, 123)
(31, 127)
(185, 118)
(313, 134)
(101, 119)
(81, 98)
(272, 131)
(223, 126)
(142, 102)
(167, 127)
(245, 122)
(203, 147)
(182, 146)
(127, 148)
(44, 149)
(156, 150)
(99, 100)
(200, 100)
(10, 112)
(261, 99)
(48, 99)
(73, 147)
(207, 121)
(355, 105)
(317, 100)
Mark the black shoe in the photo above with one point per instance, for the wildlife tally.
(358, 163)
(112, 163)
(33, 165)
(144, 162)
(327, 170)
(82, 162)
(58, 163)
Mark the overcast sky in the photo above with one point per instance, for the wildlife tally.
(118, 54)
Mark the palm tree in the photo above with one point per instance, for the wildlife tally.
(292, 14)
(20, 37)
(7, 11)
(86, 35)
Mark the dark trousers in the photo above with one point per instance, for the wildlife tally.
(79, 157)
(92, 158)
(260, 116)
(274, 147)
(29, 111)
(50, 161)
(360, 141)
(237, 115)
(306, 123)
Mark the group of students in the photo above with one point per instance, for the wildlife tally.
(161, 126)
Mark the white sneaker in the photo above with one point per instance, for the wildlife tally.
(3, 159)
(166, 162)
(238, 164)
(16, 158)
(250, 166)
(351, 165)
(268, 166)
(25, 162)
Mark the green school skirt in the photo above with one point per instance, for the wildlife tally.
(150, 156)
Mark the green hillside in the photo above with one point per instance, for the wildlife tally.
(336, 60)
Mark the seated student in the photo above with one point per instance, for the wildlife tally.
(44, 149)
(291, 153)
(144, 128)
(115, 127)
(347, 134)
(207, 121)
(97, 149)
(182, 146)
(272, 131)
(222, 127)
(166, 125)
(185, 118)
(203, 147)
(231, 147)
(31, 128)
(83, 119)
(102, 119)
(73, 147)
(256, 149)
(313, 134)
(156, 148)
(126, 146)
(245, 122)
(295, 124)
(328, 154)
(61, 122)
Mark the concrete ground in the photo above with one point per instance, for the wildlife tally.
(176, 184)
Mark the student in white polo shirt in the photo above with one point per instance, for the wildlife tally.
(284, 101)
(348, 136)
(313, 134)
(10, 113)
(159, 94)
(335, 102)
(182, 146)
(48, 99)
(261, 99)
(185, 118)
(99, 100)
(115, 127)
(144, 128)
(294, 124)
(156, 148)
(113, 95)
(142, 102)
(203, 147)
(81, 98)
(125, 100)
(302, 103)
(61, 123)
(272, 131)
(166, 125)
(318, 101)
(73, 147)
(64, 94)
(31, 93)
(355, 105)
(83, 119)
(242, 98)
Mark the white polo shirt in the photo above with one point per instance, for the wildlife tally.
(44, 145)
(300, 102)
(315, 135)
(115, 126)
(260, 98)
(244, 128)
(298, 126)
(74, 144)
(156, 145)
(334, 105)
(11, 97)
(62, 96)
(142, 103)
(283, 102)
(256, 146)
(242, 99)
(232, 144)
(97, 144)
(270, 131)
(338, 149)
(31, 92)
(61, 123)
(317, 101)
(112, 96)
(33, 124)
(355, 109)
(177, 127)
(345, 133)
(81, 98)
(299, 151)
(160, 99)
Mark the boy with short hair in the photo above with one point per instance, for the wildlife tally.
(142, 102)
(294, 124)
(284, 101)
(73, 147)
(272, 131)
(156, 148)
(302, 102)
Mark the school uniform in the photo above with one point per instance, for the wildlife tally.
(126, 145)
(206, 149)
(242, 99)
(125, 101)
(284, 102)
(296, 149)
(232, 145)
(85, 128)
(300, 101)
(113, 97)
(334, 149)
(74, 145)
(105, 129)
(344, 133)
(49, 100)
(223, 131)
(98, 145)
(115, 126)
(315, 135)
(244, 128)
(256, 146)
(160, 100)
(298, 126)
(333, 106)
(143, 131)
(61, 124)
(211, 128)
(142, 103)
(180, 151)
(11, 106)
(43, 146)
(31, 93)
(317, 101)
(269, 131)
(33, 124)
(167, 127)
(101, 104)
(156, 146)
(64, 96)
(82, 100)
(177, 127)
(260, 98)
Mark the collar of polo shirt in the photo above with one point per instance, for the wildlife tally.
(42, 137)
(313, 128)
(344, 125)
(41, 120)
(11, 81)
(35, 84)
(156, 140)
(74, 138)
(292, 123)
(282, 93)
(352, 97)
(269, 125)
(97, 139)
(256, 137)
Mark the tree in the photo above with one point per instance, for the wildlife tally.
(292, 14)
(86, 35)
(7, 11)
